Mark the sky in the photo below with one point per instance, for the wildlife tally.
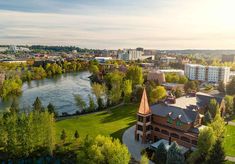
(118, 24)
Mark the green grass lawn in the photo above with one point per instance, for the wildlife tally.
(110, 124)
(229, 140)
(229, 162)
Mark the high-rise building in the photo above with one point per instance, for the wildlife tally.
(213, 74)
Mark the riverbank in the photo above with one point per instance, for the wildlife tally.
(59, 90)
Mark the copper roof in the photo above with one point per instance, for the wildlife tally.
(144, 105)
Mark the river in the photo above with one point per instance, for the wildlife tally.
(59, 90)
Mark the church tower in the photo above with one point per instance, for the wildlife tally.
(143, 125)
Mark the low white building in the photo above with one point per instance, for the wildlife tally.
(213, 74)
(134, 54)
(103, 59)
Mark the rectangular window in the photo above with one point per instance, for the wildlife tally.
(140, 119)
(169, 120)
(179, 123)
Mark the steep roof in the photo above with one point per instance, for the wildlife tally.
(185, 115)
(204, 99)
(144, 105)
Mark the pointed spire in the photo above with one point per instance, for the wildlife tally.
(144, 105)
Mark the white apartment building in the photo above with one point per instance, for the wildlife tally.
(133, 54)
(213, 74)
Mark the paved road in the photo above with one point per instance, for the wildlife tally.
(134, 146)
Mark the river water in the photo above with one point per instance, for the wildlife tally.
(59, 90)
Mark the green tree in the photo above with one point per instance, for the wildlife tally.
(127, 89)
(115, 80)
(208, 119)
(51, 109)
(37, 105)
(80, 102)
(213, 107)
(183, 79)
(174, 155)
(221, 87)
(76, 135)
(94, 69)
(99, 90)
(229, 104)
(157, 94)
(206, 140)
(91, 103)
(218, 126)
(230, 88)
(144, 159)
(63, 136)
(160, 154)
(191, 86)
(217, 153)
(178, 93)
(135, 74)
(14, 106)
(103, 150)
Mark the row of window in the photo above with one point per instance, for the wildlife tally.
(185, 139)
(170, 121)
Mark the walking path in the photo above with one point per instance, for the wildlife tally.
(231, 123)
(134, 147)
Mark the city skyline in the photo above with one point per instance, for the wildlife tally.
(168, 24)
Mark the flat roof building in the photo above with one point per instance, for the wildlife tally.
(213, 74)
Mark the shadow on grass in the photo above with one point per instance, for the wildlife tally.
(122, 112)
(118, 134)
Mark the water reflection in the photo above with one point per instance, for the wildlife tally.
(59, 90)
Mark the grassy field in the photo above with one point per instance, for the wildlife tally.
(229, 140)
(111, 124)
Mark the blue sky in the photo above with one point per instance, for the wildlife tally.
(114, 24)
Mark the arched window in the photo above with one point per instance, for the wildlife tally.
(185, 139)
(174, 135)
(157, 129)
(165, 132)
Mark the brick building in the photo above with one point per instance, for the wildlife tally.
(178, 122)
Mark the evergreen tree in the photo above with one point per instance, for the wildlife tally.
(37, 105)
(208, 118)
(100, 103)
(76, 135)
(63, 135)
(161, 154)
(217, 153)
(14, 106)
(91, 103)
(51, 109)
(174, 155)
(213, 107)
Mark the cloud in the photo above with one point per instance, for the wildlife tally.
(160, 24)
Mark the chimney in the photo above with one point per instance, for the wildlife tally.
(169, 141)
